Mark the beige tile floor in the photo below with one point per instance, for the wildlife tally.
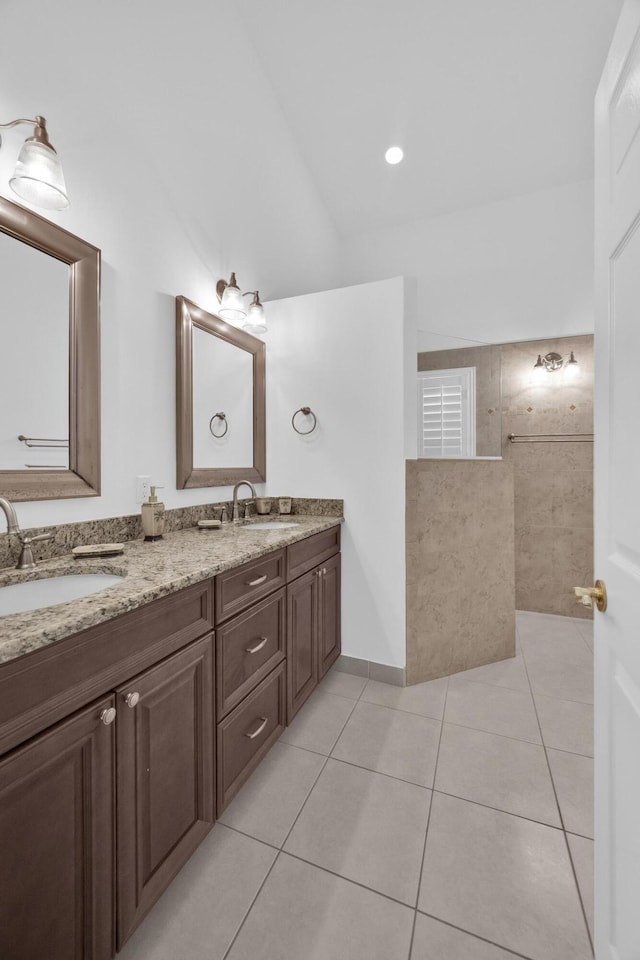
(446, 821)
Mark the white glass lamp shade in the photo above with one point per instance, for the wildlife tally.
(255, 322)
(38, 177)
(232, 306)
(571, 366)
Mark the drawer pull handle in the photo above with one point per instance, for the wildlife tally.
(108, 716)
(256, 583)
(258, 646)
(258, 731)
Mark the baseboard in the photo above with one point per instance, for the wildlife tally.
(381, 672)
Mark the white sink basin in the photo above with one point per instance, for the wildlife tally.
(271, 525)
(21, 597)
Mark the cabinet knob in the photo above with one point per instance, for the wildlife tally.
(324, 569)
(318, 573)
(132, 699)
(108, 716)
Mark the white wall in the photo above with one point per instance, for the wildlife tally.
(516, 270)
(342, 353)
(38, 365)
(180, 167)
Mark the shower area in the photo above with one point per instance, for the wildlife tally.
(500, 497)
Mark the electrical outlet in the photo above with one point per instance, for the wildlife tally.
(143, 488)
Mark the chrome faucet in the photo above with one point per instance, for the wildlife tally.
(10, 513)
(26, 561)
(236, 510)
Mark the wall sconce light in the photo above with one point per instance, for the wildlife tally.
(38, 176)
(554, 361)
(232, 306)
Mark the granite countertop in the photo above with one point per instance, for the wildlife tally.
(150, 571)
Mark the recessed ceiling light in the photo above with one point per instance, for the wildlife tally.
(394, 155)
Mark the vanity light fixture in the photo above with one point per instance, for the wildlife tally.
(554, 361)
(232, 306)
(38, 176)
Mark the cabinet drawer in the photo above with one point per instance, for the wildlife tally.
(247, 734)
(49, 684)
(247, 649)
(236, 589)
(308, 553)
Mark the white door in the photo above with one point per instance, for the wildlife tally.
(617, 498)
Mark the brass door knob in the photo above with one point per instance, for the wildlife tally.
(587, 595)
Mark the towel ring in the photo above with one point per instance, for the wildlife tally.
(219, 416)
(308, 412)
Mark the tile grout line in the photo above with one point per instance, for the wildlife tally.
(356, 883)
(546, 756)
(280, 851)
(505, 736)
(363, 886)
(508, 813)
(476, 936)
(426, 832)
(564, 830)
(250, 908)
(418, 786)
(306, 799)
(249, 836)
(381, 773)
(410, 713)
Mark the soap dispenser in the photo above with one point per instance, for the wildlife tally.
(153, 517)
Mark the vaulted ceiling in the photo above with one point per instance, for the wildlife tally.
(489, 98)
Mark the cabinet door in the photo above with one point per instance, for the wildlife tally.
(56, 830)
(329, 615)
(165, 769)
(302, 632)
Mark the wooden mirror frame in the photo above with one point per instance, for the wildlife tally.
(188, 316)
(82, 479)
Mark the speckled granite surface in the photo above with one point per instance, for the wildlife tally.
(123, 529)
(150, 570)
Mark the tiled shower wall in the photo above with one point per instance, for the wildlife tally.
(553, 482)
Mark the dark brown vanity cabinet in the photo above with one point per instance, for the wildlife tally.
(121, 744)
(313, 616)
(138, 762)
(165, 776)
(56, 841)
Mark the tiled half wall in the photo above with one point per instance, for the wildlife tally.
(460, 565)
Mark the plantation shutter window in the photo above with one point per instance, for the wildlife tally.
(446, 413)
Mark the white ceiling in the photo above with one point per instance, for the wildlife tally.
(489, 98)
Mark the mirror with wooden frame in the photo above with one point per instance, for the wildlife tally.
(50, 335)
(220, 401)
